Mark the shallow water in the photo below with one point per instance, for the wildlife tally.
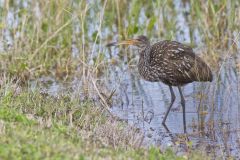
(212, 111)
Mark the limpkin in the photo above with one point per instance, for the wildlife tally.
(170, 62)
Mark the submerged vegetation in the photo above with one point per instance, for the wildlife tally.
(65, 40)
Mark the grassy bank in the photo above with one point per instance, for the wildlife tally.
(38, 126)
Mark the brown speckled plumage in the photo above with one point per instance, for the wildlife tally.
(170, 62)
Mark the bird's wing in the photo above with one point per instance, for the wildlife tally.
(171, 49)
(178, 64)
(177, 60)
(186, 66)
(182, 66)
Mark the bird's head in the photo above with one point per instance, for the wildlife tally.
(140, 42)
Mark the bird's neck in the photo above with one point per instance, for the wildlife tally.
(145, 56)
(144, 62)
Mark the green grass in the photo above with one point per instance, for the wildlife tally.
(36, 126)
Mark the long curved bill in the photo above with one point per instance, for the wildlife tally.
(124, 42)
(128, 42)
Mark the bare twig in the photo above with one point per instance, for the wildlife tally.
(103, 101)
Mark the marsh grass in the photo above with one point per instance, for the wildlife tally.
(43, 33)
(40, 41)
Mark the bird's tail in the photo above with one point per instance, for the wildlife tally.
(202, 71)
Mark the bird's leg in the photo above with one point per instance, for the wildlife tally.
(183, 108)
(170, 106)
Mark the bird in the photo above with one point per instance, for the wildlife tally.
(171, 62)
